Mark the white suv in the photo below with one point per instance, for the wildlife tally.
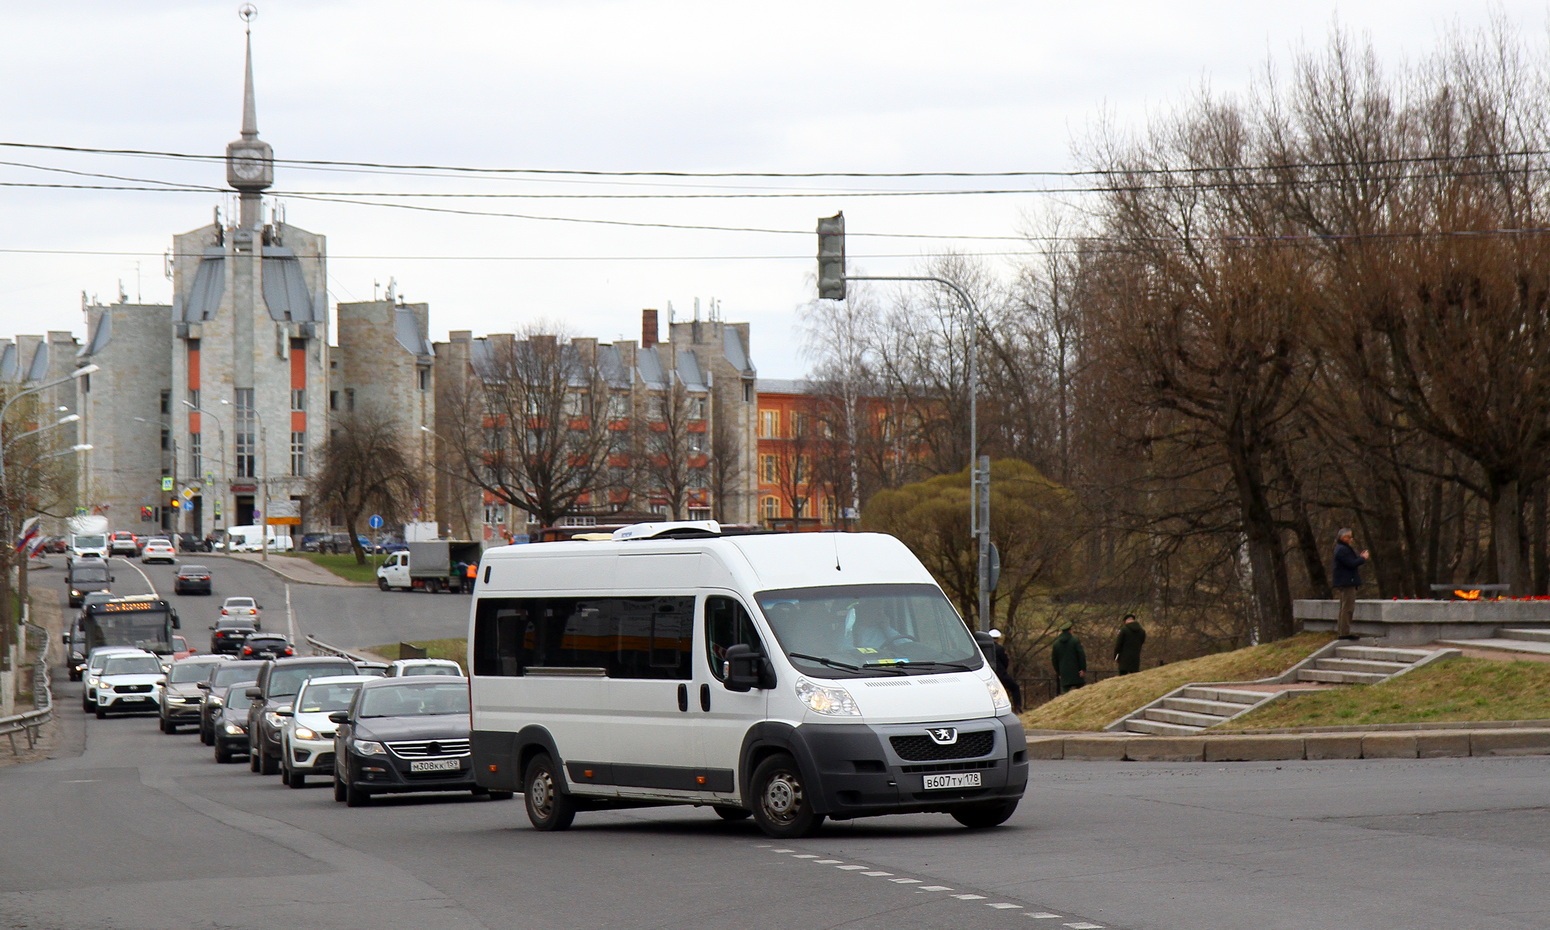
(402, 667)
(129, 683)
(307, 742)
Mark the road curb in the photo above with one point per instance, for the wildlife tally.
(1501, 739)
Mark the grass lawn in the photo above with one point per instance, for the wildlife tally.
(1100, 704)
(454, 649)
(1459, 690)
(342, 565)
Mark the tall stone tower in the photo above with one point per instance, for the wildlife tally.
(250, 351)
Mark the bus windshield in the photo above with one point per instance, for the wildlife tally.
(868, 630)
(147, 627)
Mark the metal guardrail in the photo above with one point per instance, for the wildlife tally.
(320, 647)
(29, 723)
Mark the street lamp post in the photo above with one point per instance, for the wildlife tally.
(7, 621)
(172, 440)
(22, 578)
(225, 476)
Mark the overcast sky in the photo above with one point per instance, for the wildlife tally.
(579, 85)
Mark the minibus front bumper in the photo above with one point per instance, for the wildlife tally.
(857, 770)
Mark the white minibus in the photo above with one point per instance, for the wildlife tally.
(791, 677)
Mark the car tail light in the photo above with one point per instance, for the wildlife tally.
(247, 650)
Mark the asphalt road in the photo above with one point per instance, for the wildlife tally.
(130, 828)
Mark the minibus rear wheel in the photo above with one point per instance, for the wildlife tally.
(781, 806)
(547, 807)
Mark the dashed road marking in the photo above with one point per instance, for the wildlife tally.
(1005, 906)
(783, 850)
(933, 888)
(1045, 916)
(804, 856)
(905, 881)
(1085, 926)
(850, 868)
(969, 897)
(876, 874)
(830, 862)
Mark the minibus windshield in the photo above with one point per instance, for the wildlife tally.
(870, 630)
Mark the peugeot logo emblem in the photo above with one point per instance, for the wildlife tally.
(943, 736)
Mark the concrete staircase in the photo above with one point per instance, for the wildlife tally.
(1511, 640)
(1197, 707)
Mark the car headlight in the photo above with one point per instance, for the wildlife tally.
(104, 686)
(998, 695)
(234, 729)
(74, 593)
(274, 719)
(827, 699)
(368, 747)
(305, 733)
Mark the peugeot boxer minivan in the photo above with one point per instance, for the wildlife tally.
(791, 677)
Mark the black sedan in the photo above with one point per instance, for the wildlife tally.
(266, 646)
(191, 579)
(404, 734)
(230, 633)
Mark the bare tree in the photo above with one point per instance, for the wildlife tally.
(670, 444)
(365, 469)
(724, 464)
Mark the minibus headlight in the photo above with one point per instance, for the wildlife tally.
(824, 699)
(998, 695)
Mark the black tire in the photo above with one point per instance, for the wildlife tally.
(383, 585)
(984, 816)
(206, 736)
(267, 764)
(222, 754)
(161, 722)
(101, 713)
(432, 586)
(731, 814)
(355, 797)
(252, 759)
(294, 778)
(780, 803)
(547, 808)
(500, 795)
(339, 794)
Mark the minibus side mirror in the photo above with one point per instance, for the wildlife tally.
(745, 669)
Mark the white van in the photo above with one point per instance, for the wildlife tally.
(789, 676)
(246, 538)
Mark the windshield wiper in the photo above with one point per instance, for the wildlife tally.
(917, 663)
(832, 663)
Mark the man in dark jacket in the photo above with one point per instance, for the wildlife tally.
(1127, 648)
(1002, 664)
(1347, 578)
(1069, 660)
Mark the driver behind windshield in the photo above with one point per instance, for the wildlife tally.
(873, 629)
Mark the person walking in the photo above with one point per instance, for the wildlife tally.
(1347, 578)
(1002, 664)
(1127, 647)
(1069, 659)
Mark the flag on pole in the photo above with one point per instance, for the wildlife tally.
(29, 533)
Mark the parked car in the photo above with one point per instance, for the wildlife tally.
(158, 549)
(404, 734)
(129, 682)
(230, 727)
(86, 576)
(229, 633)
(123, 543)
(191, 579)
(278, 680)
(242, 607)
(307, 741)
(340, 542)
(95, 659)
(223, 678)
(313, 542)
(400, 668)
(192, 542)
(180, 693)
(266, 646)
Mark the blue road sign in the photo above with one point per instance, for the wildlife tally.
(375, 522)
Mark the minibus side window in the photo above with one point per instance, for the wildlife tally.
(655, 637)
(727, 624)
(498, 629)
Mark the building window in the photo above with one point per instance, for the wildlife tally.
(699, 513)
(619, 405)
(193, 396)
(166, 402)
(830, 511)
(768, 473)
(769, 424)
(424, 374)
(333, 400)
(349, 400)
(298, 398)
(771, 508)
(242, 400)
(195, 456)
(799, 470)
(495, 513)
(299, 455)
(697, 409)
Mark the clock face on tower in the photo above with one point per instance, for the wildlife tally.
(247, 164)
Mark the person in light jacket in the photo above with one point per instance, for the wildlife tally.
(1347, 578)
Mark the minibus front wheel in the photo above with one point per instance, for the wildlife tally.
(781, 805)
(547, 808)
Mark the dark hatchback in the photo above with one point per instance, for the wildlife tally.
(266, 646)
(231, 723)
(278, 682)
(222, 679)
(404, 734)
(191, 579)
(230, 633)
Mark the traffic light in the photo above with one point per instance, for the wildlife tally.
(831, 257)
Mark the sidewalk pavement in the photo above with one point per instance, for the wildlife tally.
(1400, 741)
(295, 569)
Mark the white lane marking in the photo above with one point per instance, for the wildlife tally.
(782, 850)
(850, 868)
(876, 874)
(148, 582)
(805, 856)
(828, 861)
(1085, 926)
(905, 881)
(969, 897)
(933, 888)
(1005, 906)
(1045, 916)
(79, 781)
(290, 615)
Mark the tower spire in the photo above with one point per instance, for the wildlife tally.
(249, 160)
(249, 107)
